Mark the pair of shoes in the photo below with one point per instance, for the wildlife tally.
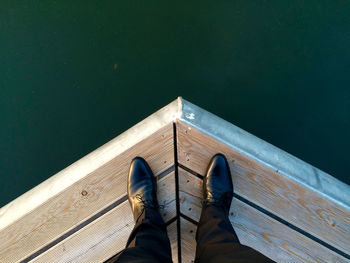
(142, 186)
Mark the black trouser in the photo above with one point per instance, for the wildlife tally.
(216, 240)
(148, 241)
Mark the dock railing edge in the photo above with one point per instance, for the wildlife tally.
(265, 153)
(38, 195)
(229, 134)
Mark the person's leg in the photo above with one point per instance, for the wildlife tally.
(216, 238)
(218, 242)
(148, 242)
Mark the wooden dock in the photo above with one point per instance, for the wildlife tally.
(283, 207)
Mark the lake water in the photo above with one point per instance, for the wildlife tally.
(75, 74)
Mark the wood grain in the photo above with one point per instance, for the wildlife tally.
(188, 241)
(97, 242)
(274, 192)
(275, 240)
(108, 235)
(257, 230)
(81, 200)
(172, 234)
(190, 194)
(166, 196)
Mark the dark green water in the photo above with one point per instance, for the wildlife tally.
(75, 74)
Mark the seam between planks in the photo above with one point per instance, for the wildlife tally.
(189, 219)
(177, 198)
(274, 216)
(90, 220)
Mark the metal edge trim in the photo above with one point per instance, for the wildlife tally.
(265, 153)
(30, 200)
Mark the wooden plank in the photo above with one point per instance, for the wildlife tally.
(255, 229)
(275, 240)
(167, 197)
(274, 192)
(190, 194)
(107, 235)
(84, 198)
(97, 242)
(188, 241)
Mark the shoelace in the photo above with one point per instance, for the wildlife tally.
(147, 203)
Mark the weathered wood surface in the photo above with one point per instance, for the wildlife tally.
(98, 180)
(275, 240)
(172, 234)
(167, 197)
(188, 241)
(256, 229)
(107, 235)
(274, 192)
(96, 242)
(81, 200)
(190, 194)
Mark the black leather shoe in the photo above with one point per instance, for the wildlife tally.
(142, 187)
(217, 183)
